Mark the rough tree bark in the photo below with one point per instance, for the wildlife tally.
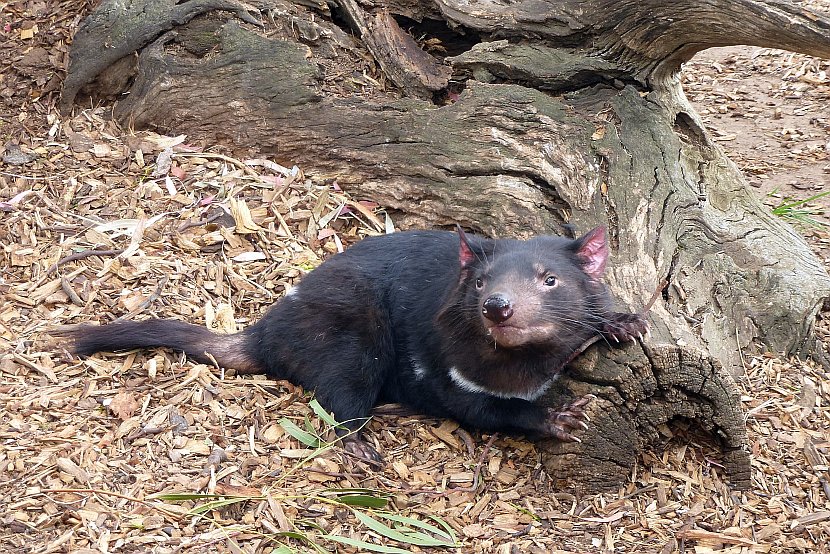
(510, 118)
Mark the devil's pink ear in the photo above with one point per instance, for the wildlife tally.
(592, 249)
(465, 254)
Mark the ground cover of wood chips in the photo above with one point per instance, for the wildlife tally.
(198, 233)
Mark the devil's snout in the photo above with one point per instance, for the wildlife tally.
(497, 308)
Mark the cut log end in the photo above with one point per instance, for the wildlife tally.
(640, 393)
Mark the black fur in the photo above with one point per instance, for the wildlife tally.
(398, 318)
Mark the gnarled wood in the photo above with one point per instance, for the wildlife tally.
(511, 119)
(638, 397)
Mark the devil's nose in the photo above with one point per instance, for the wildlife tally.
(497, 308)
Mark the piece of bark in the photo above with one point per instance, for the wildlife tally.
(416, 73)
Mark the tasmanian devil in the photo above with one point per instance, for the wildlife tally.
(451, 325)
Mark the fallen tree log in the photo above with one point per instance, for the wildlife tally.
(510, 118)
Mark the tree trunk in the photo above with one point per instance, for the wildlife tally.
(510, 118)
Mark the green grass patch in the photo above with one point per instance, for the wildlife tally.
(798, 211)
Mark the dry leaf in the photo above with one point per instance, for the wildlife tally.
(123, 405)
(68, 466)
(222, 319)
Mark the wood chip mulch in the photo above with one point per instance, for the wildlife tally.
(181, 231)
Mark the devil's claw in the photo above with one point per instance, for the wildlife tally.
(561, 422)
(624, 327)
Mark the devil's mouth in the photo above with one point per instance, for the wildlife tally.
(509, 335)
(506, 333)
(503, 326)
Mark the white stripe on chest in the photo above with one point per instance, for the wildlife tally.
(471, 386)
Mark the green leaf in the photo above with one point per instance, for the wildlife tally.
(292, 535)
(304, 437)
(362, 497)
(322, 413)
(311, 523)
(525, 511)
(366, 545)
(409, 537)
(795, 203)
(217, 504)
(363, 501)
(794, 210)
(447, 532)
(300, 537)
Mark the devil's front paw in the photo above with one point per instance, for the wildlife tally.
(560, 423)
(359, 448)
(621, 327)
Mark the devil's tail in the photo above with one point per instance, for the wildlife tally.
(197, 342)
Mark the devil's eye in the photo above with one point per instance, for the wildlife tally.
(551, 281)
(479, 283)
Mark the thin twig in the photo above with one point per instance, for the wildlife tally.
(584, 346)
(80, 256)
(73, 296)
(238, 163)
(188, 224)
(149, 300)
(660, 288)
(171, 513)
(477, 472)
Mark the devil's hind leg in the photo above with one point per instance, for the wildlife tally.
(341, 353)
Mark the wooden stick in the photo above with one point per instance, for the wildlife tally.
(80, 256)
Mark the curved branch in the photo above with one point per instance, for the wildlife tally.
(650, 39)
(676, 31)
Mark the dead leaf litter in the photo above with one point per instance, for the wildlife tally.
(99, 224)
